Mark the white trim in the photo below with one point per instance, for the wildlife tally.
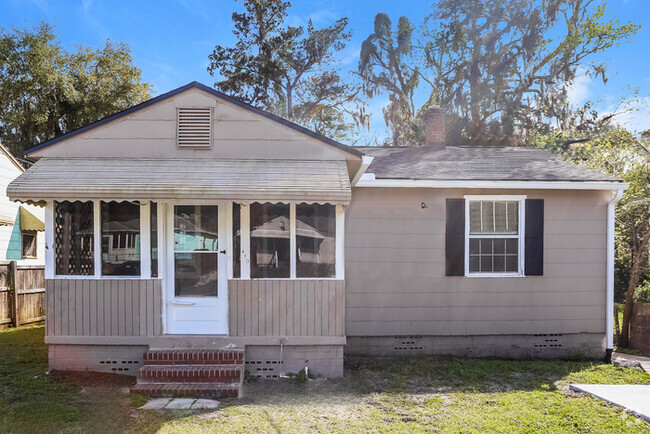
(97, 237)
(245, 240)
(521, 235)
(365, 162)
(49, 240)
(367, 180)
(145, 240)
(611, 231)
(229, 240)
(292, 241)
(160, 213)
(340, 242)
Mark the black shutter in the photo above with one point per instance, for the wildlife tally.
(534, 243)
(455, 238)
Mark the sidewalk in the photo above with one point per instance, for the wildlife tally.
(627, 358)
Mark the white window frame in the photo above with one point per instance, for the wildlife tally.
(521, 236)
(339, 266)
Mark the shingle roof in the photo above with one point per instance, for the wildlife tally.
(476, 163)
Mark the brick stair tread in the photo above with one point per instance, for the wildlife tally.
(189, 390)
(190, 373)
(194, 356)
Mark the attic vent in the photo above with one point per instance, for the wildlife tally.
(194, 127)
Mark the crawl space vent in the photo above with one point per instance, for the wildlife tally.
(194, 127)
(264, 368)
(548, 341)
(408, 343)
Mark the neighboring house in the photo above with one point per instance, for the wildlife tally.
(242, 229)
(21, 226)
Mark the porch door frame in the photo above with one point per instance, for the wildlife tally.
(224, 269)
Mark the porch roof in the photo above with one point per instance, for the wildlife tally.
(177, 179)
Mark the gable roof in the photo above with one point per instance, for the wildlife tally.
(11, 158)
(476, 164)
(204, 88)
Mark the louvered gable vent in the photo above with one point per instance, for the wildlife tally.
(194, 129)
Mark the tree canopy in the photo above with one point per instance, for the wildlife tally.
(47, 91)
(288, 70)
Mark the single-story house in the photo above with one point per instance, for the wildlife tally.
(194, 228)
(22, 237)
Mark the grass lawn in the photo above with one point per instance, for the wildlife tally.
(399, 395)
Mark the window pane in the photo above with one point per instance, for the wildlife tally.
(236, 240)
(494, 217)
(474, 246)
(511, 264)
(486, 263)
(28, 244)
(195, 228)
(315, 240)
(474, 264)
(269, 251)
(73, 238)
(121, 220)
(154, 238)
(489, 255)
(196, 245)
(195, 274)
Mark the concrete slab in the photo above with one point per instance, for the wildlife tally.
(635, 398)
(622, 359)
(155, 404)
(205, 404)
(180, 404)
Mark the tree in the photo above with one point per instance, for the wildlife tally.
(386, 66)
(288, 70)
(503, 66)
(46, 91)
(620, 153)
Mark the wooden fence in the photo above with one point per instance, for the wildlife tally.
(22, 294)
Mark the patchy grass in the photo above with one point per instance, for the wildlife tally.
(391, 396)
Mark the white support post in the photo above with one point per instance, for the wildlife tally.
(97, 232)
(292, 240)
(229, 243)
(245, 231)
(340, 241)
(49, 240)
(145, 240)
(162, 245)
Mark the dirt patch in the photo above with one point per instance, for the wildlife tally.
(85, 378)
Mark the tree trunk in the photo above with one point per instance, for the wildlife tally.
(638, 257)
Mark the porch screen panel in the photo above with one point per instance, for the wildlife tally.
(73, 238)
(153, 226)
(120, 222)
(196, 249)
(315, 240)
(270, 237)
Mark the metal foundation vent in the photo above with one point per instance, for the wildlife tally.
(548, 341)
(264, 368)
(407, 343)
(119, 365)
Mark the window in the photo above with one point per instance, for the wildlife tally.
(73, 238)
(315, 240)
(28, 244)
(194, 127)
(270, 240)
(236, 240)
(196, 247)
(120, 232)
(494, 235)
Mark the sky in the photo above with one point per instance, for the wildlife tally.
(171, 40)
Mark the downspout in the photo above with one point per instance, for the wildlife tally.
(609, 309)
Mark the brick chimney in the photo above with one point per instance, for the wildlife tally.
(434, 128)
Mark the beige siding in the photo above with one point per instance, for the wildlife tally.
(151, 133)
(286, 307)
(103, 307)
(395, 266)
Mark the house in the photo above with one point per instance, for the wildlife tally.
(21, 226)
(193, 228)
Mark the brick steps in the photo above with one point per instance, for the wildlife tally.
(200, 373)
(189, 374)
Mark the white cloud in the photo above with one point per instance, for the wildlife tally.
(579, 91)
(633, 115)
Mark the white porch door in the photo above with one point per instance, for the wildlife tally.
(196, 290)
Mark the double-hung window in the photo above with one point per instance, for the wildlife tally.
(494, 239)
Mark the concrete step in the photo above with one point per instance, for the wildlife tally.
(190, 374)
(194, 357)
(188, 390)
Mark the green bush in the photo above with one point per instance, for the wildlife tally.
(642, 293)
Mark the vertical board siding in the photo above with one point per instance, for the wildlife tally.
(286, 307)
(106, 307)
